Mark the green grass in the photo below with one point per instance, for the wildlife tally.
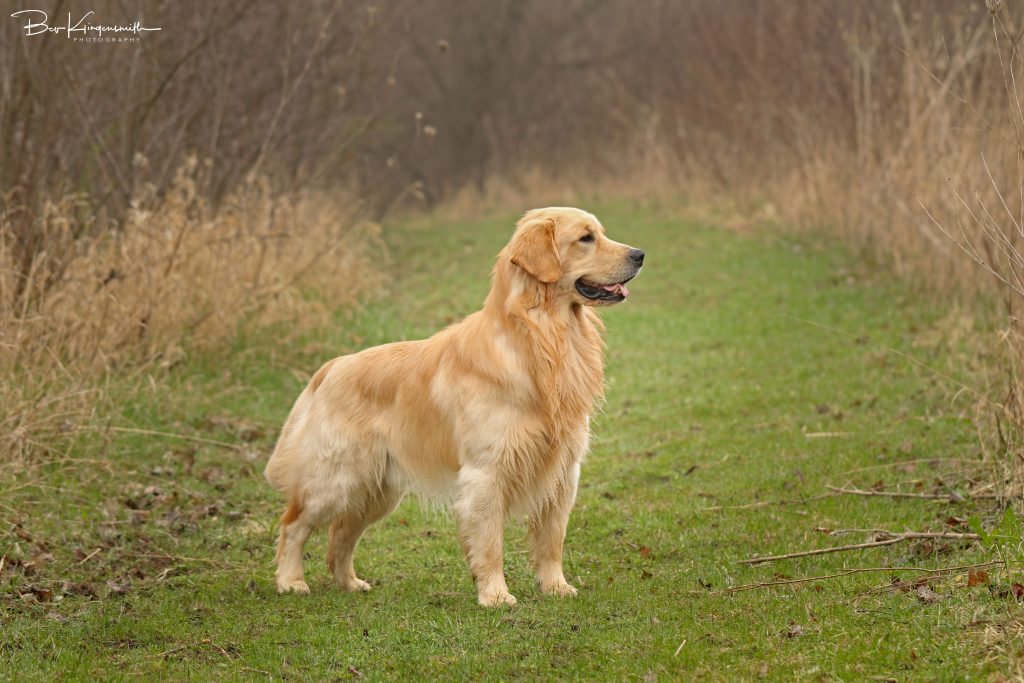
(718, 396)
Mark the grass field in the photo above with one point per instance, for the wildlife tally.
(150, 556)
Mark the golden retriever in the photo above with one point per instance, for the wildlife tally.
(491, 415)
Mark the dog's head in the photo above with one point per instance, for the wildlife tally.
(567, 250)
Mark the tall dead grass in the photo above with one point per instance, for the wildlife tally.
(175, 278)
(158, 197)
(896, 126)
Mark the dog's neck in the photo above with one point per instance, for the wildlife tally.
(564, 337)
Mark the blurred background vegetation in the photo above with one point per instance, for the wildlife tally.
(162, 195)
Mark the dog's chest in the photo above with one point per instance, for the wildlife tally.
(578, 380)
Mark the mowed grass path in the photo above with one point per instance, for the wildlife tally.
(718, 396)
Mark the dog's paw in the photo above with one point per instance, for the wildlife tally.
(294, 586)
(356, 586)
(496, 599)
(561, 588)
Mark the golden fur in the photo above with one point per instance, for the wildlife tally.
(491, 414)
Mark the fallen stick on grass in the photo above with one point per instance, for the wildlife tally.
(907, 534)
(183, 560)
(952, 495)
(848, 572)
(172, 435)
(893, 537)
(767, 503)
(821, 551)
(899, 463)
(90, 556)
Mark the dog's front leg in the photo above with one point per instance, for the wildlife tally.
(547, 536)
(480, 515)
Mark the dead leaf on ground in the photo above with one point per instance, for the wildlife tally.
(976, 577)
(927, 595)
(33, 593)
(186, 456)
(203, 512)
(212, 475)
(922, 549)
(142, 498)
(83, 588)
(793, 630)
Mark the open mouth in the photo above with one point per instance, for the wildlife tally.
(594, 291)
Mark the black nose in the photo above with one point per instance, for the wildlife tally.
(637, 256)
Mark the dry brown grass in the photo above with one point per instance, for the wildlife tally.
(899, 129)
(121, 252)
(176, 278)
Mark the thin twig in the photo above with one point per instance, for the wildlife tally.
(90, 556)
(178, 558)
(908, 534)
(27, 484)
(893, 538)
(904, 462)
(848, 572)
(165, 653)
(956, 497)
(216, 646)
(901, 585)
(173, 435)
(827, 435)
(821, 551)
(766, 503)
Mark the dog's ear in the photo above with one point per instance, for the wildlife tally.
(534, 250)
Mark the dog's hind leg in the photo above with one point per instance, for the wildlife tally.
(348, 528)
(296, 523)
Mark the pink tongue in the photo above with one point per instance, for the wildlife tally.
(616, 289)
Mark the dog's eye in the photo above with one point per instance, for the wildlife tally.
(587, 238)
